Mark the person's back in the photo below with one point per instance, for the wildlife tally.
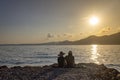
(70, 59)
(61, 60)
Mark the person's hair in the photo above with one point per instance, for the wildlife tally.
(70, 53)
(61, 52)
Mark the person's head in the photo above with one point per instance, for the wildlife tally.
(61, 53)
(70, 53)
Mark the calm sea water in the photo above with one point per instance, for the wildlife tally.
(47, 54)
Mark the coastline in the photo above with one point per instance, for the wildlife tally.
(82, 71)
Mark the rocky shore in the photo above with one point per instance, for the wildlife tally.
(82, 71)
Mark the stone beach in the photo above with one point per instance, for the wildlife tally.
(82, 71)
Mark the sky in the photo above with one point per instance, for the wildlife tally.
(39, 21)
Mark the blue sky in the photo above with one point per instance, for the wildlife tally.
(37, 21)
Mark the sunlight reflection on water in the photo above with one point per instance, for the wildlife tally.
(95, 55)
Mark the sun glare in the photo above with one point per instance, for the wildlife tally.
(94, 20)
(95, 55)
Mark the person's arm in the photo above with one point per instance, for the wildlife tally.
(58, 59)
(73, 60)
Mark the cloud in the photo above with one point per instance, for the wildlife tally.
(81, 33)
(58, 35)
(67, 35)
(49, 35)
(118, 29)
(105, 30)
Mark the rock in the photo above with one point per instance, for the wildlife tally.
(82, 71)
(118, 76)
(54, 65)
(3, 67)
(102, 67)
(16, 67)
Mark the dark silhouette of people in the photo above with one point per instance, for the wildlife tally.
(61, 60)
(70, 60)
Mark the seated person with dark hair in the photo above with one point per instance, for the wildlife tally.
(61, 60)
(70, 60)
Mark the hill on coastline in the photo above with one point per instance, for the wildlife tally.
(113, 39)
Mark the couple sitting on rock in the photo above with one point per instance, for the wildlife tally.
(67, 61)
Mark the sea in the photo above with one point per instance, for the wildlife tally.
(40, 55)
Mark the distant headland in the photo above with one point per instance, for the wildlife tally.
(113, 39)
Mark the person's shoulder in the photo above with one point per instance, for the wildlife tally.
(73, 56)
(66, 56)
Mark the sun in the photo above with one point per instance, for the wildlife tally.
(94, 20)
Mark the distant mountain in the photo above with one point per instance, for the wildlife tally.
(58, 43)
(113, 39)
